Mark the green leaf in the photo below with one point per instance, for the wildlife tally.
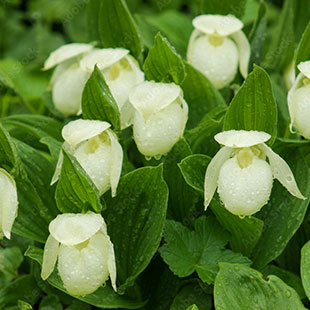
(75, 191)
(284, 213)
(117, 27)
(10, 260)
(53, 145)
(246, 232)
(37, 125)
(303, 49)
(253, 107)
(182, 198)
(200, 95)
(104, 297)
(282, 42)
(163, 64)
(22, 305)
(50, 302)
(24, 288)
(98, 102)
(135, 220)
(288, 277)
(240, 287)
(305, 267)
(223, 7)
(200, 250)
(190, 296)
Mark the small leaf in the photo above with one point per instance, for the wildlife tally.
(117, 27)
(240, 287)
(303, 49)
(305, 267)
(104, 297)
(163, 64)
(135, 220)
(75, 191)
(253, 107)
(200, 95)
(201, 250)
(98, 102)
(10, 260)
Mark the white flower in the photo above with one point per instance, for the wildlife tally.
(98, 151)
(217, 46)
(75, 63)
(8, 203)
(160, 117)
(243, 177)
(84, 251)
(299, 101)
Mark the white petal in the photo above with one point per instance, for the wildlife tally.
(281, 171)
(71, 229)
(304, 68)
(244, 191)
(150, 97)
(80, 130)
(289, 75)
(301, 110)
(241, 138)
(68, 89)
(66, 52)
(103, 58)
(139, 74)
(217, 24)
(84, 268)
(116, 161)
(244, 51)
(213, 171)
(51, 250)
(127, 113)
(8, 202)
(195, 34)
(112, 264)
(291, 109)
(58, 168)
(156, 135)
(219, 63)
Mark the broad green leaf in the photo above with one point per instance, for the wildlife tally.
(135, 220)
(22, 305)
(93, 8)
(305, 268)
(201, 250)
(175, 25)
(24, 288)
(200, 95)
(10, 260)
(98, 102)
(282, 44)
(303, 50)
(206, 128)
(258, 34)
(223, 7)
(301, 17)
(182, 198)
(253, 107)
(243, 288)
(288, 277)
(104, 297)
(53, 145)
(75, 191)
(37, 125)
(50, 302)
(284, 213)
(193, 297)
(117, 27)
(163, 64)
(246, 232)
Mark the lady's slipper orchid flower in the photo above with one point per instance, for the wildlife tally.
(242, 175)
(121, 73)
(299, 101)
(69, 78)
(98, 151)
(75, 63)
(160, 117)
(217, 46)
(9, 203)
(84, 251)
